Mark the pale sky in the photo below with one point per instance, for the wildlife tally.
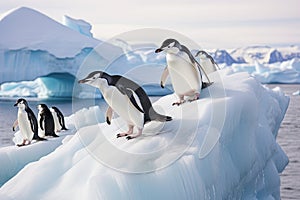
(211, 23)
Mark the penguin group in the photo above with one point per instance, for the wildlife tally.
(130, 101)
(125, 97)
(49, 122)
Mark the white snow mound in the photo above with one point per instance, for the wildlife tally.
(27, 28)
(222, 146)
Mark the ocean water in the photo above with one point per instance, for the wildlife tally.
(289, 139)
(288, 136)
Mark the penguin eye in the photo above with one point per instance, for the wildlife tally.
(169, 46)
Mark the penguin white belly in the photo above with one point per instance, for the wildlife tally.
(25, 126)
(41, 132)
(57, 125)
(208, 66)
(184, 76)
(123, 107)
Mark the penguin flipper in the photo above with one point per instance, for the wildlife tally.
(109, 113)
(205, 84)
(41, 122)
(164, 77)
(129, 93)
(15, 125)
(201, 69)
(31, 118)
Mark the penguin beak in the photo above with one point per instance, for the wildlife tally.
(82, 81)
(15, 104)
(158, 50)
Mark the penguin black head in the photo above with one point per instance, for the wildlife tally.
(202, 54)
(42, 107)
(169, 46)
(94, 78)
(21, 103)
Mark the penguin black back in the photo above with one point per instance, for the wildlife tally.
(121, 82)
(46, 120)
(60, 117)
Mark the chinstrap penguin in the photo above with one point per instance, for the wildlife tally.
(46, 121)
(207, 62)
(27, 123)
(127, 99)
(184, 70)
(59, 120)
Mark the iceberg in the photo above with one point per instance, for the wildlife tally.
(222, 146)
(27, 28)
(280, 72)
(33, 45)
(54, 85)
(78, 25)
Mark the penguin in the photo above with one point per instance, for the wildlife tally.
(207, 61)
(46, 121)
(58, 118)
(127, 99)
(27, 123)
(184, 70)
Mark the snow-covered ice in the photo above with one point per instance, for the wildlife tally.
(78, 25)
(34, 45)
(26, 27)
(13, 158)
(222, 146)
(280, 72)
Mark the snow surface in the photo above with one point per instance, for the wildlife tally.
(222, 146)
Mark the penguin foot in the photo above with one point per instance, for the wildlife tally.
(129, 137)
(136, 135)
(23, 144)
(129, 132)
(178, 103)
(122, 135)
(196, 97)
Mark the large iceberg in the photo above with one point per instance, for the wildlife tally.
(34, 45)
(222, 146)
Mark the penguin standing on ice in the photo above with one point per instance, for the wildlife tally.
(184, 70)
(127, 99)
(46, 121)
(27, 123)
(207, 62)
(58, 118)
